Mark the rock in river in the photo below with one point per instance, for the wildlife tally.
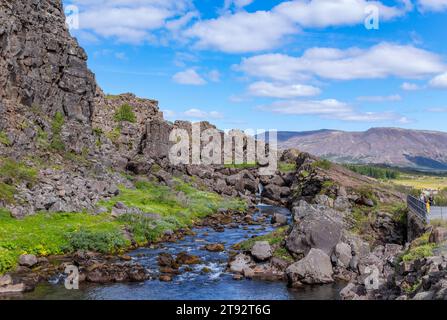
(315, 268)
(261, 251)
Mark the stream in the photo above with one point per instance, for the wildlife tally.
(216, 284)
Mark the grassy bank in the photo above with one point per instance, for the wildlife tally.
(275, 239)
(47, 234)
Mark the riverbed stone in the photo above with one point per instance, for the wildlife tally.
(315, 268)
(261, 251)
(342, 255)
(27, 260)
(240, 263)
(279, 219)
(5, 280)
(218, 247)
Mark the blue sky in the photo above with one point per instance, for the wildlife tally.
(286, 65)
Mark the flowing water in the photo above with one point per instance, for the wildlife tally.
(216, 284)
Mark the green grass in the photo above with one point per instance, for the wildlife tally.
(47, 234)
(11, 174)
(56, 128)
(4, 139)
(54, 234)
(420, 248)
(175, 213)
(275, 239)
(422, 181)
(125, 113)
(322, 164)
(285, 167)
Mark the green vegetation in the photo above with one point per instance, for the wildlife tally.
(125, 113)
(286, 167)
(274, 238)
(48, 234)
(13, 173)
(42, 138)
(4, 139)
(367, 192)
(438, 223)
(322, 164)
(375, 172)
(178, 207)
(114, 135)
(56, 128)
(420, 248)
(52, 234)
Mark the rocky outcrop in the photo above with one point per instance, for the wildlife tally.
(41, 65)
(316, 227)
(315, 268)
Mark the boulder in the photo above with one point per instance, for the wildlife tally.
(342, 204)
(318, 227)
(13, 288)
(279, 219)
(261, 251)
(185, 258)
(27, 260)
(5, 280)
(342, 255)
(218, 247)
(438, 235)
(240, 263)
(315, 268)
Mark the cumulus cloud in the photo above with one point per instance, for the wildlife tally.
(130, 21)
(282, 91)
(329, 109)
(439, 81)
(432, 5)
(241, 32)
(380, 61)
(391, 98)
(262, 30)
(201, 114)
(189, 77)
(408, 86)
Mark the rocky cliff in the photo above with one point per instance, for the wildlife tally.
(41, 65)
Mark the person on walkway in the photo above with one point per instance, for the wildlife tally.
(428, 206)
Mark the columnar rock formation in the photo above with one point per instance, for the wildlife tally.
(41, 65)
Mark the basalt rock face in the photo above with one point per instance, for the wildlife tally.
(41, 65)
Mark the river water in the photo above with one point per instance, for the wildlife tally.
(196, 284)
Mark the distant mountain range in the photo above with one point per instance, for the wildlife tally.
(425, 150)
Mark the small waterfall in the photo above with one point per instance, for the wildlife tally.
(259, 194)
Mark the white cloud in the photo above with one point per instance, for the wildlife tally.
(438, 110)
(439, 81)
(380, 61)
(282, 91)
(189, 77)
(432, 5)
(262, 30)
(130, 21)
(324, 13)
(392, 98)
(329, 109)
(200, 114)
(408, 86)
(241, 32)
